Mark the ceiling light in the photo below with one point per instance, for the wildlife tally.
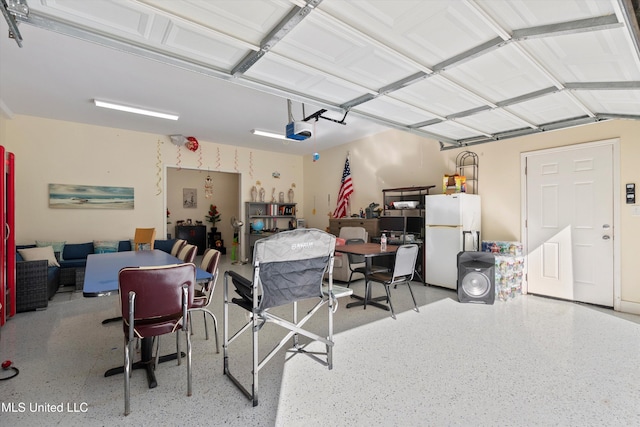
(135, 110)
(268, 134)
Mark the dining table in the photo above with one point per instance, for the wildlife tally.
(369, 251)
(101, 279)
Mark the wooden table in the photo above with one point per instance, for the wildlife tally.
(368, 251)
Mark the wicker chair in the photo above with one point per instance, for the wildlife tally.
(35, 285)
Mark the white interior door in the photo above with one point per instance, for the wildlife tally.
(569, 223)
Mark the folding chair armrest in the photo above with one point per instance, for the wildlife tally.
(338, 291)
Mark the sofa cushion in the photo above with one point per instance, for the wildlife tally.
(43, 253)
(165, 245)
(124, 245)
(57, 247)
(77, 251)
(105, 246)
(73, 263)
(18, 256)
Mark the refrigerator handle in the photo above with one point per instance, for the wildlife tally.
(464, 240)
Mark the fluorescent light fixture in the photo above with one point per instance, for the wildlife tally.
(135, 110)
(268, 134)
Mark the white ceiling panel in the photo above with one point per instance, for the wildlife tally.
(513, 15)
(437, 95)
(126, 19)
(492, 121)
(428, 32)
(570, 57)
(499, 75)
(463, 72)
(283, 73)
(394, 111)
(451, 130)
(323, 44)
(246, 20)
(602, 101)
(552, 108)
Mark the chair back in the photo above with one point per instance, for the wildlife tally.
(144, 236)
(289, 266)
(187, 253)
(177, 246)
(209, 263)
(354, 233)
(405, 265)
(158, 293)
(353, 258)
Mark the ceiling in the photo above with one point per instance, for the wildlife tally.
(461, 72)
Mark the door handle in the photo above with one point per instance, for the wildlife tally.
(606, 237)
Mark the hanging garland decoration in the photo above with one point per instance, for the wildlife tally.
(218, 159)
(200, 157)
(159, 168)
(251, 165)
(178, 140)
(208, 187)
(235, 161)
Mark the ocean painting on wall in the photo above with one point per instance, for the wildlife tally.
(64, 196)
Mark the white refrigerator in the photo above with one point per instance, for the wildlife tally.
(452, 222)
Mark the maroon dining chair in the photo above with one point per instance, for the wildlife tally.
(187, 253)
(202, 300)
(154, 301)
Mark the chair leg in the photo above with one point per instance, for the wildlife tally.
(366, 293)
(127, 377)
(215, 327)
(413, 298)
(206, 329)
(189, 390)
(393, 314)
(179, 353)
(156, 341)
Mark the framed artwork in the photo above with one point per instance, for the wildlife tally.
(189, 198)
(66, 196)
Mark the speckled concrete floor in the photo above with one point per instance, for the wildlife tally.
(528, 361)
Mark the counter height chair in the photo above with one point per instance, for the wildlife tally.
(144, 238)
(177, 246)
(203, 298)
(403, 271)
(154, 301)
(357, 263)
(187, 253)
(288, 267)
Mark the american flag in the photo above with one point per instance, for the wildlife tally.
(346, 190)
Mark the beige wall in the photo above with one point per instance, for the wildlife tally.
(49, 151)
(397, 159)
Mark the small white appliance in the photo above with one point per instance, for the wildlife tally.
(452, 224)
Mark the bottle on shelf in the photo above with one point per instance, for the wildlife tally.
(383, 243)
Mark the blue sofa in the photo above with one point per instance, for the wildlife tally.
(37, 283)
(74, 259)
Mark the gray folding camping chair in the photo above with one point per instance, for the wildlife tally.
(288, 267)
